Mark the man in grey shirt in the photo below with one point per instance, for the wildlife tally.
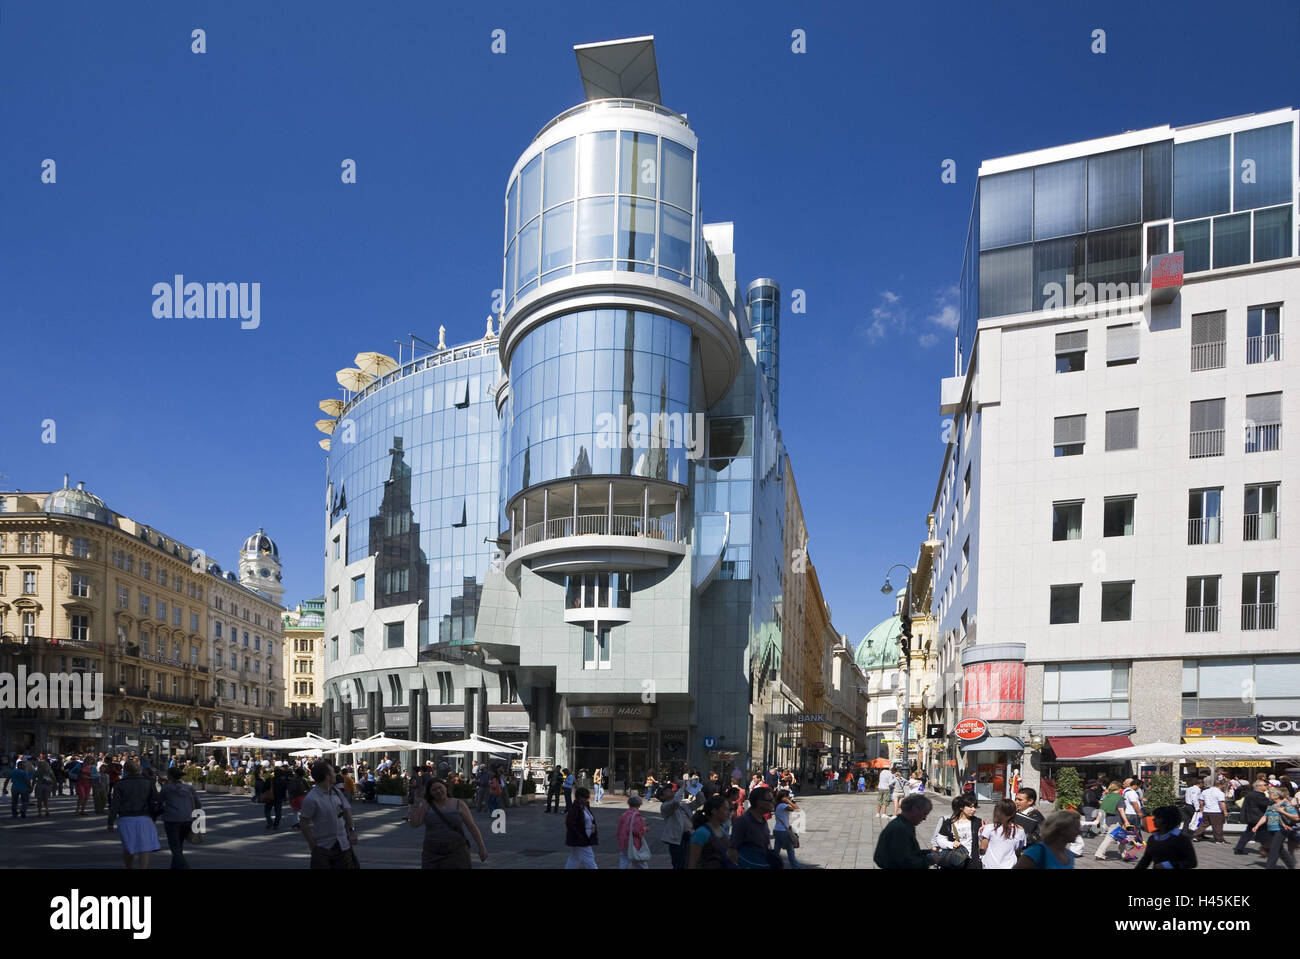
(327, 822)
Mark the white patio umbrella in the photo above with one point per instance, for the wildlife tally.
(379, 743)
(1211, 749)
(306, 754)
(310, 741)
(1156, 751)
(475, 746)
(246, 741)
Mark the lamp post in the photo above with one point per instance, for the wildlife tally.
(906, 647)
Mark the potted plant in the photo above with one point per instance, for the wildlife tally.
(218, 780)
(391, 790)
(1069, 789)
(463, 791)
(194, 776)
(1160, 792)
(239, 782)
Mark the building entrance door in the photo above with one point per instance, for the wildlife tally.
(631, 759)
(591, 751)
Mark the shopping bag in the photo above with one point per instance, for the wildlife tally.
(1195, 822)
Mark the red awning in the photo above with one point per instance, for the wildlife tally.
(1081, 747)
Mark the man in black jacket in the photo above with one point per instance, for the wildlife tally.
(1253, 806)
(554, 787)
(1028, 817)
(897, 847)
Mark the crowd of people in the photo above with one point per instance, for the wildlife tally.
(1021, 837)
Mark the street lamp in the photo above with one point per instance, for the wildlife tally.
(906, 646)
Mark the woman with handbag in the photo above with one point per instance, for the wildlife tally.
(957, 839)
(633, 847)
(784, 835)
(708, 848)
(1280, 821)
(447, 827)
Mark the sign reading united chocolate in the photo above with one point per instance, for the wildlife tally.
(969, 730)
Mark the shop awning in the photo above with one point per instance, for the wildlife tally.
(1287, 742)
(1232, 739)
(994, 744)
(1081, 747)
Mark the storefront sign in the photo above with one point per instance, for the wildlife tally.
(807, 718)
(934, 731)
(969, 730)
(629, 711)
(1281, 725)
(163, 732)
(1220, 726)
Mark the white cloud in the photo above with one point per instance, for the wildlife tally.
(927, 339)
(946, 317)
(890, 296)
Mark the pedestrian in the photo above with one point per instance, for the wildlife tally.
(1028, 817)
(494, 790)
(709, 847)
(1279, 818)
(1253, 806)
(44, 786)
(134, 803)
(784, 835)
(448, 826)
(297, 791)
(6, 767)
(900, 791)
(21, 782)
(1191, 804)
(956, 838)
(1133, 812)
(554, 788)
(80, 777)
(98, 791)
(862, 783)
(327, 822)
(567, 788)
(1001, 840)
(1054, 836)
(633, 846)
(897, 847)
(1213, 812)
(676, 811)
(580, 832)
(750, 837)
(1169, 847)
(884, 787)
(1091, 806)
(651, 785)
(179, 801)
(1118, 824)
(59, 771)
(598, 786)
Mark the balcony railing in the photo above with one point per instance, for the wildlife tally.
(1207, 356)
(1206, 443)
(1259, 615)
(614, 104)
(1264, 438)
(1258, 526)
(1203, 531)
(1264, 349)
(600, 524)
(1202, 619)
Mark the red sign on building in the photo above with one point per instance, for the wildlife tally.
(994, 691)
(969, 730)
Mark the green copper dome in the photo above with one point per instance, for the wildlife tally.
(879, 649)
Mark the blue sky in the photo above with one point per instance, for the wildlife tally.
(225, 167)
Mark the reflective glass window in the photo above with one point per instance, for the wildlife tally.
(1006, 209)
(557, 238)
(529, 245)
(530, 190)
(511, 252)
(512, 209)
(1058, 266)
(1114, 189)
(638, 164)
(636, 229)
(1157, 180)
(1202, 170)
(1060, 192)
(1193, 239)
(679, 175)
(596, 163)
(596, 229)
(1272, 233)
(674, 239)
(558, 186)
(1231, 240)
(1006, 281)
(1262, 171)
(1115, 256)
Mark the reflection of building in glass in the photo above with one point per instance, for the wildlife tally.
(763, 301)
(401, 568)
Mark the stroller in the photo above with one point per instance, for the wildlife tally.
(1131, 847)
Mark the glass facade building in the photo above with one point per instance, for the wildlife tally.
(763, 301)
(418, 486)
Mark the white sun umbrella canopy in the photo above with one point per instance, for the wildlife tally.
(307, 754)
(1214, 748)
(380, 744)
(475, 746)
(310, 741)
(247, 741)
(1155, 751)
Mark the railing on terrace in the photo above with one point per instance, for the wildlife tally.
(1264, 349)
(1264, 438)
(1260, 526)
(481, 348)
(1208, 356)
(1259, 615)
(1206, 443)
(614, 103)
(597, 524)
(1203, 531)
(1202, 619)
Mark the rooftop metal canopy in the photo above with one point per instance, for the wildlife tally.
(619, 69)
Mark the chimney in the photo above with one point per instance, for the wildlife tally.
(65, 480)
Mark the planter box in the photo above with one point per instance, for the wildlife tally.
(391, 800)
(214, 788)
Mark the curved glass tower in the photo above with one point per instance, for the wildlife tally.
(763, 300)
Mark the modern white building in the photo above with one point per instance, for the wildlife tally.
(1113, 560)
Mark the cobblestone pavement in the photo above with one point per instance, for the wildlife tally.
(839, 833)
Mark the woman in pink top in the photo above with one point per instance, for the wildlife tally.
(631, 831)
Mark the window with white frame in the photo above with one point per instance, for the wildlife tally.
(1263, 426)
(80, 585)
(1202, 614)
(596, 648)
(1117, 518)
(1067, 520)
(1086, 691)
(1264, 334)
(1262, 685)
(1259, 601)
(80, 628)
(1260, 513)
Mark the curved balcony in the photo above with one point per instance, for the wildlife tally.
(595, 524)
(611, 103)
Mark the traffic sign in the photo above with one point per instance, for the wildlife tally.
(710, 742)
